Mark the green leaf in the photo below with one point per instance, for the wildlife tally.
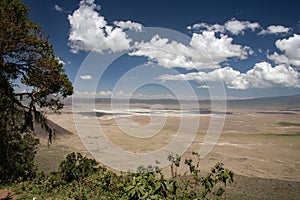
(219, 192)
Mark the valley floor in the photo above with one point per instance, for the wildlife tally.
(262, 147)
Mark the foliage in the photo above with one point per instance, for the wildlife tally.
(26, 56)
(82, 178)
(175, 162)
(76, 167)
(217, 175)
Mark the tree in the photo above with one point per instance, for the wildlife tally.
(26, 57)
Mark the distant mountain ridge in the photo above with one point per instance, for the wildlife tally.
(279, 101)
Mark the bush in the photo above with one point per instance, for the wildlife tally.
(77, 167)
(83, 178)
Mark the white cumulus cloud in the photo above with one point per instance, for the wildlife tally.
(263, 75)
(90, 31)
(237, 27)
(215, 27)
(129, 25)
(205, 50)
(86, 77)
(58, 8)
(275, 29)
(105, 93)
(60, 61)
(290, 48)
(233, 26)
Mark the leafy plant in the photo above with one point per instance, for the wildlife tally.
(175, 162)
(217, 175)
(148, 183)
(77, 167)
(82, 178)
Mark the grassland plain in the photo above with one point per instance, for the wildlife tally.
(261, 145)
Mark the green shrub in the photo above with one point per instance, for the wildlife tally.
(82, 178)
(77, 167)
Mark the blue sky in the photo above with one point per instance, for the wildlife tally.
(253, 47)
